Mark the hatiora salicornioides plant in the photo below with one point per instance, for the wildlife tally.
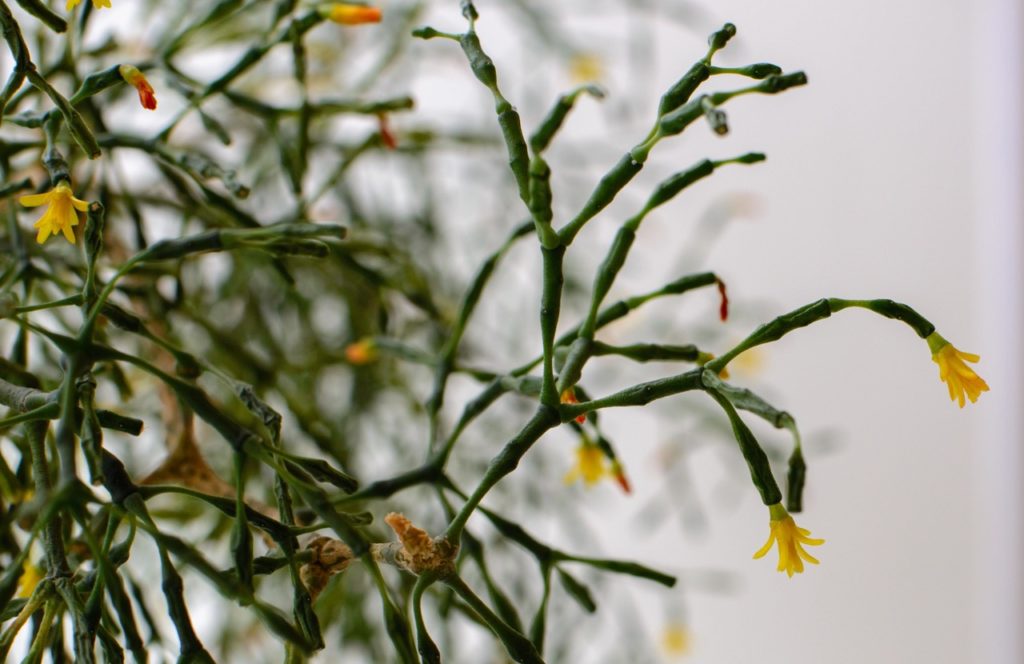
(220, 350)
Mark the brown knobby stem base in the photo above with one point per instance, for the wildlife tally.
(416, 551)
(331, 556)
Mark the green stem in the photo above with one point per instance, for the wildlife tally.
(504, 463)
(519, 648)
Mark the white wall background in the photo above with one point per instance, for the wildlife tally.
(895, 173)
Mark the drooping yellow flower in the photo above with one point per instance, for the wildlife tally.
(362, 352)
(350, 14)
(590, 465)
(60, 216)
(675, 639)
(30, 578)
(71, 4)
(791, 540)
(953, 370)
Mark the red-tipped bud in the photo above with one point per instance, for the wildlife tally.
(620, 477)
(362, 352)
(135, 78)
(386, 135)
(723, 308)
(569, 396)
(350, 14)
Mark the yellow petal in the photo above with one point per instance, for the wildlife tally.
(970, 357)
(763, 551)
(35, 200)
(806, 556)
(30, 578)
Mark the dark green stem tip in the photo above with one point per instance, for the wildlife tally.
(721, 37)
(775, 84)
(751, 158)
(426, 32)
(762, 70)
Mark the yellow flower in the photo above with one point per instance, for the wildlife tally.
(590, 465)
(675, 639)
(60, 216)
(704, 358)
(95, 3)
(361, 352)
(586, 68)
(350, 14)
(30, 578)
(953, 370)
(749, 362)
(790, 539)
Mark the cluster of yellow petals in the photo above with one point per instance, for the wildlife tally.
(791, 540)
(590, 466)
(675, 639)
(97, 4)
(60, 216)
(586, 68)
(30, 578)
(953, 370)
(350, 14)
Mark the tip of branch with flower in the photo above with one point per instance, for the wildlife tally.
(954, 372)
(60, 215)
(791, 540)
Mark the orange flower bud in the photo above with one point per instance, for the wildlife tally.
(132, 76)
(361, 352)
(620, 477)
(723, 309)
(569, 396)
(350, 14)
(387, 137)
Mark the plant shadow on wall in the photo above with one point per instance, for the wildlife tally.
(303, 358)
